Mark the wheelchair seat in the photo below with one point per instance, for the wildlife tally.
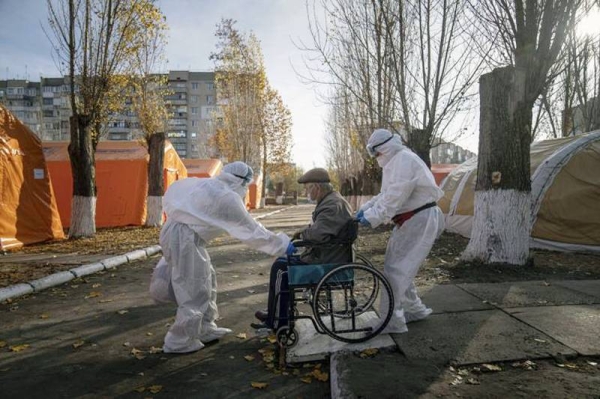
(310, 275)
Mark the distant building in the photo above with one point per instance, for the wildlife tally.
(449, 153)
(45, 108)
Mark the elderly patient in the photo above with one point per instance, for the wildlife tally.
(330, 218)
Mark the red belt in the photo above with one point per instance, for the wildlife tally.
(401, 218)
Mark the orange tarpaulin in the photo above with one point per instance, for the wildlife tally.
(203, 167)
(254, 192)
(441, 170)
(121, 180)
(28, 211)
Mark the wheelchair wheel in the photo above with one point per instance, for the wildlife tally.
(353, 303)
(360, 259)
(286, 337)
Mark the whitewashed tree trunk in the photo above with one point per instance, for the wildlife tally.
(83, 217)
(502, 209)
(501, 227)
(154, 211)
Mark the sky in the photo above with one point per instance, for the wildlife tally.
(25, 52)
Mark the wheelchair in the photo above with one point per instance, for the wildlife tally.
(351, 302)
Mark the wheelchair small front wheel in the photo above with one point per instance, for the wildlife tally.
(353, 303)
(286, 337)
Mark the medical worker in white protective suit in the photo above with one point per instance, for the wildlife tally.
(408, 198)
(197, 211)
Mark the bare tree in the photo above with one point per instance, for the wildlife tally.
(533, 34)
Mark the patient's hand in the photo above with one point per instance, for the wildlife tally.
(297, 235)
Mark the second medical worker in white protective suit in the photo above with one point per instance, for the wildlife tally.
(408, 198)
(197, 211)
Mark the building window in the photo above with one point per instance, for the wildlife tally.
(195, 85)
(48, 114)
(210, 86)
(210, 100)
(194, 110)
(194, 123)
(194, 99)
(10, 90)
(48, 101)
(193, 135)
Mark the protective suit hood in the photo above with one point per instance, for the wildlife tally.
(237, 175)
(386, 143)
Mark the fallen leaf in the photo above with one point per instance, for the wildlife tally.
(249, 358)
(457, 381)
(369, 352)
(74, 286)
(4, 369)
(96, 285)
(155, 388)
(463, 372)
(306, 380)
(105, 300)
(571, 366)
(241, 336)
(2, 344)
(149, 334)
(155, 350)
(473, 381)
(44, 316)
(490, 367)
(526, 365)
(204, 374)
(588, 362)
(271, 339)
(539, 340)
(18, 348)
(140, 389)
(126, 344)
(321, 376)
(135, 351)
(251, 291)
(93, 294)
(122, 311)
(259, 385)
(78, 344)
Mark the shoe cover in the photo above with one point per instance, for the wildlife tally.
(214, 333)
(411, 317)
(192, 346)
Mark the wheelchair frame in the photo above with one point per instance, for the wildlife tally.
(287, 335)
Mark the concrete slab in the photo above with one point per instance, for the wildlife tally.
(386, 375)
(15, 291)
(85, 270)
(527, 293)
(578, 326)
(450, 298)
(476, 337)
(313, 346)
(589, 287)
(135, 255)
(51, 280)
(115, 261)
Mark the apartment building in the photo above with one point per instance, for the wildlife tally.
(449, 153)
(44, 106)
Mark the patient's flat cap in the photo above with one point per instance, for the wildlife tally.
(316, 175)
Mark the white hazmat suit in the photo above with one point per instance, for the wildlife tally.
(197, 211)
(407, 184)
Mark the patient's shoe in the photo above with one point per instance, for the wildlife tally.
(411, 317)
(259, 326)
(261, 315)
(213, 334)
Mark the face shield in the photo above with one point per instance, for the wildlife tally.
(247, 178)
(372, 148)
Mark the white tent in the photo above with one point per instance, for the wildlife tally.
(565, 191)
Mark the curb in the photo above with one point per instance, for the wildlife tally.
(31, 287)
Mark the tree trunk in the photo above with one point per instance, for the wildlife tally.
(501, 222)
(418, 141)
(263, 189)
(83, 171)
(156, 150)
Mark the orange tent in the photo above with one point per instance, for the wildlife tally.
(203, 167)
(121, 180)
(441, 170)
(28, 211)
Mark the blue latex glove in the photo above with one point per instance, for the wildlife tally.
(360, 214)
(291, 249)
(364, 221)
